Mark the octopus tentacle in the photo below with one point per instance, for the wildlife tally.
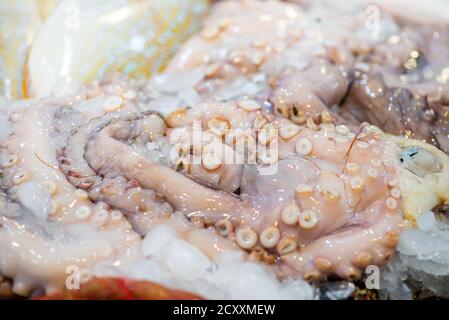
(250, 48)
(310, 93)
(330, 183)
(52, 217)
(274, 174)
(104, 153)
(49, 257)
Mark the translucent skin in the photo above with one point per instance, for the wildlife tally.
(304, 75)
(321, 56)
(351, 176)
(82, 218)
(326, 202)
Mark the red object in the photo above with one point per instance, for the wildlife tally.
(121, 289)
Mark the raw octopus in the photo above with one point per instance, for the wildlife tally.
(325, 56)
(273, 215)
(269, 169)
(45, 45)
(310, 201)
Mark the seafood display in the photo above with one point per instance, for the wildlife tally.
(390, 73)
(284, 145)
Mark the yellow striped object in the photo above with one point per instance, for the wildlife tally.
(19, 21)
(83, 40)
